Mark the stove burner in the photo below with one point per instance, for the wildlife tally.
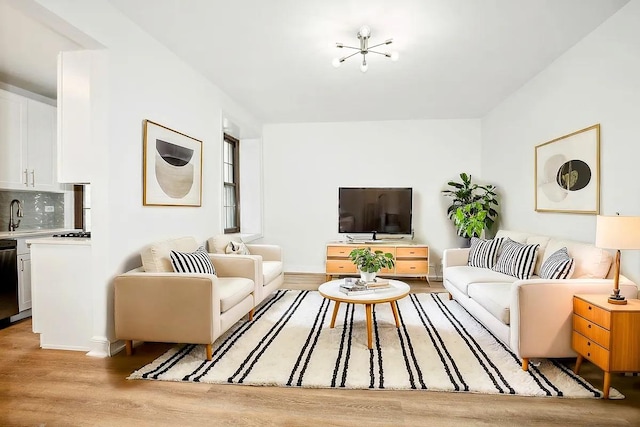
(86, 234)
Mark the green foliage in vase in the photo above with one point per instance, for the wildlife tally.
(371, 261)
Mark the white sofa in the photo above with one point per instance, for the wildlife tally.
(267, 265)
(533, 316)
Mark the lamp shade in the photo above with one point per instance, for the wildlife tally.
(618, 232)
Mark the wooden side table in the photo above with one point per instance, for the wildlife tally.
(606, 334)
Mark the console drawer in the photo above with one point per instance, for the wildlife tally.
(339, 251)
(340, 266)
(412, 267)
(410, 252)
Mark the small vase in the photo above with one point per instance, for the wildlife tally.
(367, 277)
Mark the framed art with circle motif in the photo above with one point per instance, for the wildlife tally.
(567, 173)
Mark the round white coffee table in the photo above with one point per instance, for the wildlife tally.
(398, 290)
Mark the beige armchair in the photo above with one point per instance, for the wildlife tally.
(268, 267)
(153, 303)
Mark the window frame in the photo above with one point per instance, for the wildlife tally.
(235, 184)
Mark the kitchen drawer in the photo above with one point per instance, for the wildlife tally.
(339, 251)
(340, 266)
(591, 331)
(412, 267)
(411, 252)
(591, 351)
(591, 312)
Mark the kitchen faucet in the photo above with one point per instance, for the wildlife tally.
(12, 224)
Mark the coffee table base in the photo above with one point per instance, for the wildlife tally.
(368, 311)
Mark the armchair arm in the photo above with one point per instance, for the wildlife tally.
(231, 265)
(167, 307)
(268, 252)
(455, 257)
(541, 313)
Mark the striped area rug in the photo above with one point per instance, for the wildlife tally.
(439, 346)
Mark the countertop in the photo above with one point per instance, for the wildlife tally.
(18, 234)
(79, 241)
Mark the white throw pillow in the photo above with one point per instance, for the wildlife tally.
(517, 259)
(559, 265)
(192, 262)
(483, 252)
(237, 248)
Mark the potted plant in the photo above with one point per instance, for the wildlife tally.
(473, 206)
(370, 262)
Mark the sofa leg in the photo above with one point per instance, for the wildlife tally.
(251, 314)
(450, 297)
(128, 347)
(209, 351)
(525, 364)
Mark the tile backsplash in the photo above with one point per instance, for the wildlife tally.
(34, 206)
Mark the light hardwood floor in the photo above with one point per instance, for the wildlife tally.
(61, 388)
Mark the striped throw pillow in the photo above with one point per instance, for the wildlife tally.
(559, 265)
(517, 259)
(482, 253)
(192, 262)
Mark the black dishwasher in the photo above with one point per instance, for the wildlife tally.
(8, 279)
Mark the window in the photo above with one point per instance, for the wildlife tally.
(231, 180)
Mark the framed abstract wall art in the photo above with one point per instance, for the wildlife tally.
(567, 173)
(172, 167)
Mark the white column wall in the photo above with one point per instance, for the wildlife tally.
(304, 164)
(142, 80)
(596, 81)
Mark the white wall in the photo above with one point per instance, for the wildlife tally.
(597, 81)
(143, 80)
(304, 164)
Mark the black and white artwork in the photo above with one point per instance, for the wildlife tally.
(172, 167)
(567, 173)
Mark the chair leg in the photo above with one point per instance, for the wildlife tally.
(251, 313)
(209, 351)
(525, 364)
(450, 297)
(128, 346)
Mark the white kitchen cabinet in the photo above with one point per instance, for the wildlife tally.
(24, 282)
(27, 144)
(74, 116)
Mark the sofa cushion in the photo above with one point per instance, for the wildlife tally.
(493, 297)
(192, 262)
(482, 253)
(516, 236)
(155, 257)
(233, 290)
(590, 262)
(559, 265)
(516, 259)
(271, 270)
(543, 241)
(218, 243)
(462, 276)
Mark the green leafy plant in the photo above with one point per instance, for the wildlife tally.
(473, 206)
(371, 261)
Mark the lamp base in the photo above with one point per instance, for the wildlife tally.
(616, 298)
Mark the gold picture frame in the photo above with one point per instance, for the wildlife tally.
(172, 167)
(567, 173)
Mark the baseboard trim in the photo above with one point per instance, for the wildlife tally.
(102, 347)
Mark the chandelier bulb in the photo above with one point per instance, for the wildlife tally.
(364, 67)
(365, 31)
(394, 56)
(336, 62)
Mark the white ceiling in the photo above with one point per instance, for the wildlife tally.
(458, 58)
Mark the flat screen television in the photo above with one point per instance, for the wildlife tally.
(380, 210)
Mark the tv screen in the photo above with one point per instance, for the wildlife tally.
(383, 210)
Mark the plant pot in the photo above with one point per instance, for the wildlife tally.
(367, 277)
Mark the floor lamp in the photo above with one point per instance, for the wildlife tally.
(617, 232)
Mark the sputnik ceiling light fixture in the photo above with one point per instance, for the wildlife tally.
(364, 49)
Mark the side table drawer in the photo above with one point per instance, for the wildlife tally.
(340, 266)
(592, 331)
(592, 312)
(590, 350)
